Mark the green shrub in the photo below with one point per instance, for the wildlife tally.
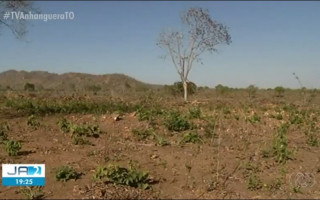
(177, 88)
(64, 125)
(80, 140)
(254, 183)
(33, 122)
(275, 184)
(29, 87)
(148, 114)
(252, 91)
(141, 134)
(176, 122)
(222, 89)
(279, 148)
(34, 192)
(65, 173)
(85, 130)
(209, 129)
(279, 91)
(255, 118)
(191, 138)
(13, 147)
(313, 140)
(4, 128)
(195, 113)
(45, 106)
(123, 176)
(161, 141)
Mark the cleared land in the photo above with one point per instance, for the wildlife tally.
(222, 144)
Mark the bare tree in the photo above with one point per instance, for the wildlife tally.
(17, 27)
(203, 34)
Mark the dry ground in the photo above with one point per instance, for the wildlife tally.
(227, 162)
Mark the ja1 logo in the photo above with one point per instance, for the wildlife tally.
(23, 174)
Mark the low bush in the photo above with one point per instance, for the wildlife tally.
(123, 176)
(177, 122)
(13, 147)
(65, 173)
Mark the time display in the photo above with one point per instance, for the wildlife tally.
(28, 181)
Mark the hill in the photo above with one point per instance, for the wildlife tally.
(70, 81)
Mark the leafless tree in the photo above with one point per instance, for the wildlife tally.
(203, 34)
(17, 27)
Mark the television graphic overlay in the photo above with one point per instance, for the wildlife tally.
(23, 174)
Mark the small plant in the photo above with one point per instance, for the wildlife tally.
(222, 89)
(80, 140)
(161, 141)
(209, 131)
(29, 87)
(33, 122)
(85, 130)
(252, 91)
(296, 118)
(64, 125)
(34, 192)
(312, 140)
(278, 114)
(145, 114)
(254, 183)
(279, 91)
(280, 145)
(141, 134)
(195, 113)
(275, 184)
(123, 176)
(13, 147)
(177, 122)
(254, 118)
(101, 173)
(191, 138)
(226, 110)
(4, 128)
(297, 189)
(250, 168)
(65, 173)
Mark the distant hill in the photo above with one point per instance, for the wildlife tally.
(70, 81)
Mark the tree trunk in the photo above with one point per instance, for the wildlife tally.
(185, 90)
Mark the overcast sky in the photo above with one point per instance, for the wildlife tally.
(270, 41)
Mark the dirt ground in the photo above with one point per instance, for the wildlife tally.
(228, 164)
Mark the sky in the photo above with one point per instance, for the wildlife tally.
(270, 41)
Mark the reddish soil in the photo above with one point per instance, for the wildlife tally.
(220, 167)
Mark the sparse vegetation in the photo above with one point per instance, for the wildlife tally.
(33, 192)
(13, 147)
(123, 176)
(279, 91)
(29, 87)
(252, 91)
(141, 134)
(41, 107)
(33, 122)
(254, 183)
(255, 118)
(65, 173)
(191, 138)
(177, 122)
(4, 128)
(280, 145)
(195, 113)
(84, 129)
